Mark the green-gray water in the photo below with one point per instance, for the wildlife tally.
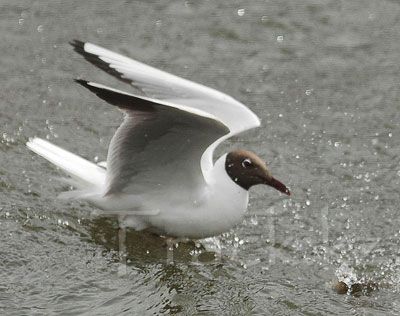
(322, 75)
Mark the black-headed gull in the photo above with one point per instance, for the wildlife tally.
(160, 173)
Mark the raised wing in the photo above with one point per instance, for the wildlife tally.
(161, 85)
(158, 143)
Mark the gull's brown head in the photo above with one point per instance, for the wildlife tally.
(246, 169)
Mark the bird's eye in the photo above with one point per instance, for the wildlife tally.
(246, 163)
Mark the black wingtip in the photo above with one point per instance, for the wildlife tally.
(121, 100)
(82, 82)
(78, 45)
(86, 84)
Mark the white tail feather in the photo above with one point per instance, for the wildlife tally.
(85, 174)
(88, 178)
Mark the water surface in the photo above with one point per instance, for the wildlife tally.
(323, 76)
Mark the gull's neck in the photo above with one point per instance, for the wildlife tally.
(226, 201)
(220, 180)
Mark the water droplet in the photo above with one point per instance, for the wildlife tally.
(40, 28)
(345, 198)
(336, 144)
(308, 203)
(280, 115)
(240, 12)
(7, 214)
(254, 221)
(390, 134)
(308, 92)
(279, 38)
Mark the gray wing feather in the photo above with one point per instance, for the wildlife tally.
(156, 145)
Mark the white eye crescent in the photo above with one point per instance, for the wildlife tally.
(246, 163)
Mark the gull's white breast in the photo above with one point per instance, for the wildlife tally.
(212, 210)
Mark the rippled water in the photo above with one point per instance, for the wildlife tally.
(324, 78)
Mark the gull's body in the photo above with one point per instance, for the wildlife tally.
(160, 173)
(208, 211)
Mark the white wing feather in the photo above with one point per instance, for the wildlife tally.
(161, 85)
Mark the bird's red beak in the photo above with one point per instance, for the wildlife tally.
(277, 185)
